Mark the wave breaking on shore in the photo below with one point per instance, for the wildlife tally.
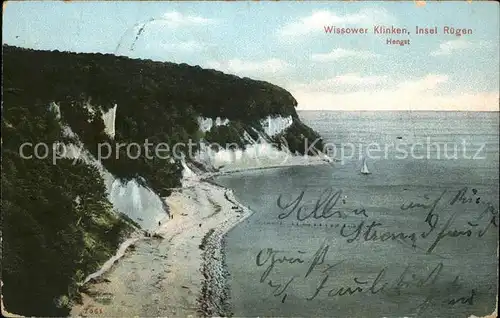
(215, 293)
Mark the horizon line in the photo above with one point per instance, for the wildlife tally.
(400, 110)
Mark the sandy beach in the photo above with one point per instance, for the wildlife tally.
(178, 271)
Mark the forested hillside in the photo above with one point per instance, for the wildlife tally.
(58, 224)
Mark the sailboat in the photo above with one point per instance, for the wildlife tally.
(365, 170)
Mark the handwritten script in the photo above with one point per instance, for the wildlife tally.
(435, 222)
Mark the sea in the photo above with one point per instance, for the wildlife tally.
(418, 236)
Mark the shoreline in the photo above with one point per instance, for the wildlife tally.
(192, 254)
(308, 162)
(193, 278)
(215, 293)
(184, 271)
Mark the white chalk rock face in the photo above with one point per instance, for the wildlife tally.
(109, 119)
(206, 124)
(189, 177)
(131, 198)
(53, 107)
(258, 152)
(275, 125)
(136, 201)
(71, 150)
(68, 132)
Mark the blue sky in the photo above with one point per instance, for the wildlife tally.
(285, 43)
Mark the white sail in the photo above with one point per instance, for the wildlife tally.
(365, 170)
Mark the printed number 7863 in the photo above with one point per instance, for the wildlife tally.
(93, 310)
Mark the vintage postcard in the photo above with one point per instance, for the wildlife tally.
(250, 159)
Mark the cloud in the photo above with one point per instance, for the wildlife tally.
(175, 19)
(341, 81)
(449, 47)
(428, 82)
(183, 46)
(337, 54)
(316, 22)
(154, 26)
(355, 79)
(424, 93)
(240, 67)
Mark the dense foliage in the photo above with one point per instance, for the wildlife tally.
(156, 101)
(58, 223)
(231, 136)
(299, 138)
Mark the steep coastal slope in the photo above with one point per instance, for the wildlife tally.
(62, 219)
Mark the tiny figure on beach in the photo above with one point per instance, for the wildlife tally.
(159, 223)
